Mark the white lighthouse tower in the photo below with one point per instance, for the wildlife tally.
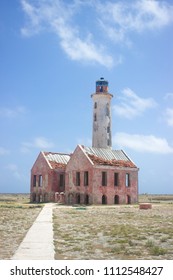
(102, 134)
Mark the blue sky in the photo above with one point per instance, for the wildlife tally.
(53, 51)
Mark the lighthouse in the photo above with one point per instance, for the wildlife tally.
(89, 175)
(102, 132)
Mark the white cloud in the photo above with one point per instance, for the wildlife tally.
(78, 49)
(4, 151)
(117, 20)
(57, 16)
(142, 143)
(169, 116)
(38, 142)
(12, 112)
(122, 18)
(131, 105)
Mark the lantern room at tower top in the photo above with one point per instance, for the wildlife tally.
(101, 86)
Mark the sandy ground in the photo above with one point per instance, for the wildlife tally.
(119, 232)
(16, 217)
(93, 232)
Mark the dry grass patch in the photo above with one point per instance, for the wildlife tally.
(16, 217)
(120, 232)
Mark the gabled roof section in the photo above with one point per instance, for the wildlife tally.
(56, 160)
(100, 156)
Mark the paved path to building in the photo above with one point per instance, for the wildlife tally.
(38, 242)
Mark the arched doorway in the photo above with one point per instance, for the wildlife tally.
(33, 197)
(104, 199)
(70, 198)
(46, 197)
(128, 199)
(87, 199)
(116, 199)
(78, 199)
(37, 198)
(41, 198)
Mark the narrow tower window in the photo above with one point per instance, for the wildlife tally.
(95, 117)
(95, 105)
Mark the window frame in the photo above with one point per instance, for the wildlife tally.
(127, 180)
(61, 180)
(77, 178)
(34, 180)
(86, 178)
(116, 179)
(104, 178)
(40, 180)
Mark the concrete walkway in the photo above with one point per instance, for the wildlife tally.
(38, 242)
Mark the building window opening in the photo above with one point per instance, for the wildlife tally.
(86, 177)
(108, 129)
(95, 105)
(101, 89)
(127, 180)
(104, 199)
(116, 199)
(116, 179)
(77, 178)
(104, 178)
(61, 180)
(95, 117)
(40, 181)
(34, 180)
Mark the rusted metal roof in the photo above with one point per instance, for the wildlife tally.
(57, 160)
(98, 156)
(107, 154)
(109, 157)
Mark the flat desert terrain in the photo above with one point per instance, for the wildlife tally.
(16, 217)
(94, 232)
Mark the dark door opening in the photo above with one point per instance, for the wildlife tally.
(116, 199)
(104, 199)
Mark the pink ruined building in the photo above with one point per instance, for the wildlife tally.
(90, 175)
